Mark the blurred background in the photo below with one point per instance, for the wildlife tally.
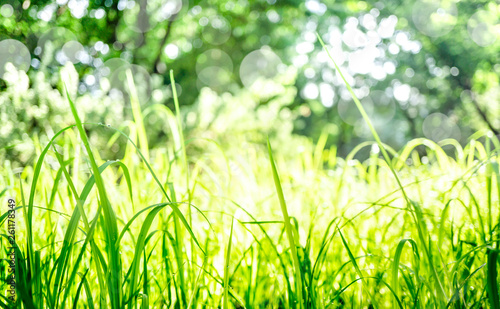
(250, 67)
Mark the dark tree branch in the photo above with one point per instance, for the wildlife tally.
(113, 22)
(142, 25)
(467, 86)
(485, 117)
(443, 53)
(162, 44)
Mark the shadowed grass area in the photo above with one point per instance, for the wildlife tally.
(177, 227)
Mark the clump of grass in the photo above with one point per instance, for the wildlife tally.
(167, 228)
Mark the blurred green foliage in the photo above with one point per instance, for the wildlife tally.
(422, 68)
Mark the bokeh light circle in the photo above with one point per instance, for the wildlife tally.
(145, 15)
(384, 107)
(262, 63)
(142, 81)
(484, 28)
(138, 19)
(434, 18)
(131, 39)
(16, 53)
(72, 51)
(51, 43)
(214, 76)
(438, 126)
(111, 65)
(217, 31)
(214, 67)
(349, 112)
(106, 70)
(169, 9)
(6, 10)
(214, 57)
(54, 39)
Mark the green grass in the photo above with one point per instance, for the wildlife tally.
(239, 225)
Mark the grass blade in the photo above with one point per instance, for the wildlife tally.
(358, 270)
(137, 113)
(395, 265)
(288, 228)
(172, 205)
(79, 289)
(114, 281)
(226, 268)
(410, 204)
(492, 284)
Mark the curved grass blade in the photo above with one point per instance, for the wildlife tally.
(79, 258)
(110, 222)
(273, 246)
(29, 212)
(356, 267)
(172, 205)
(457, 291)
(73, 225)
(418, 219)
(88, 291)
(140, 244)
(79, 289)
(395, 264)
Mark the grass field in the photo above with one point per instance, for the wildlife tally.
(198, 224)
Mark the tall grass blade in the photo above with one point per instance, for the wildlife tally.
(395, 265)
(145, 301)
(88, 291)
(492, 277)
(110, 222)
(78, 290)
(179, 243)
(288, 229)
(226, 268)
(358, 270)
(137, 113)
(164, 192)
(139, 247)
(186, 169)
(419, 220)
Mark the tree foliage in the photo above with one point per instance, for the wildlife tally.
(426, 68)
